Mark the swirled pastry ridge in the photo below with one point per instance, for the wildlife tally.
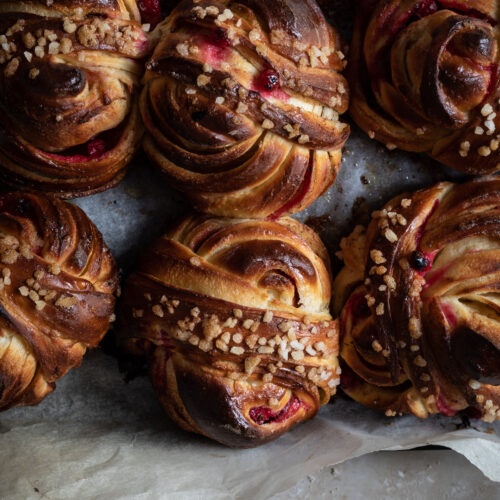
(420, 303)
(69, 71)
(57, 280)
(241, 104)
(233, 317)
(424, 78)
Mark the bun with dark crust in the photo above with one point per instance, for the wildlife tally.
(233, 319)
(241, 105)
(69, 72)
(420, 302)
(424, 78)
(57, 280)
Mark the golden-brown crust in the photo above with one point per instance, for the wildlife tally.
(241, 102)
(69, 121)
(424, 77)
(421, 330)
(233, 316)
(57, 280)
(124, 9)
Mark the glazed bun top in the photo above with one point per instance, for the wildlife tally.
(424, 77)
(68, 73)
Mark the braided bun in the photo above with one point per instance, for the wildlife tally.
(56, 294)
(424, 77)
(69, 121)
(241, 105)
(421, 322)
(233, 318)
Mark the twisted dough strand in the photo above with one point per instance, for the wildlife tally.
(69, 122)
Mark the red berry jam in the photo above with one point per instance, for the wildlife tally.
(214, 48)
(150, 11)
(267, 84)
(268, 79)
(425, 8)
(96, 148)
(420, 262)
(444, 408)
(264, 415)
(92, 150)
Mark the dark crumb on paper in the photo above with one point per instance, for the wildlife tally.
(364, 180)
(319, 223)
(465, 422)
(360, 211)
(36, 490)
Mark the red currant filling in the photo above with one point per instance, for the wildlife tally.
(449, 314)
(464, 9)
(268, 79)
(264, 415)
(297, 199)
(150, 11)
(444, 408)
(425, 8)
(420, 261)
(433, 276)
(92, 150)
(214, 47)
(267, 84)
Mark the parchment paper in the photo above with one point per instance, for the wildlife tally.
(97, 437)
